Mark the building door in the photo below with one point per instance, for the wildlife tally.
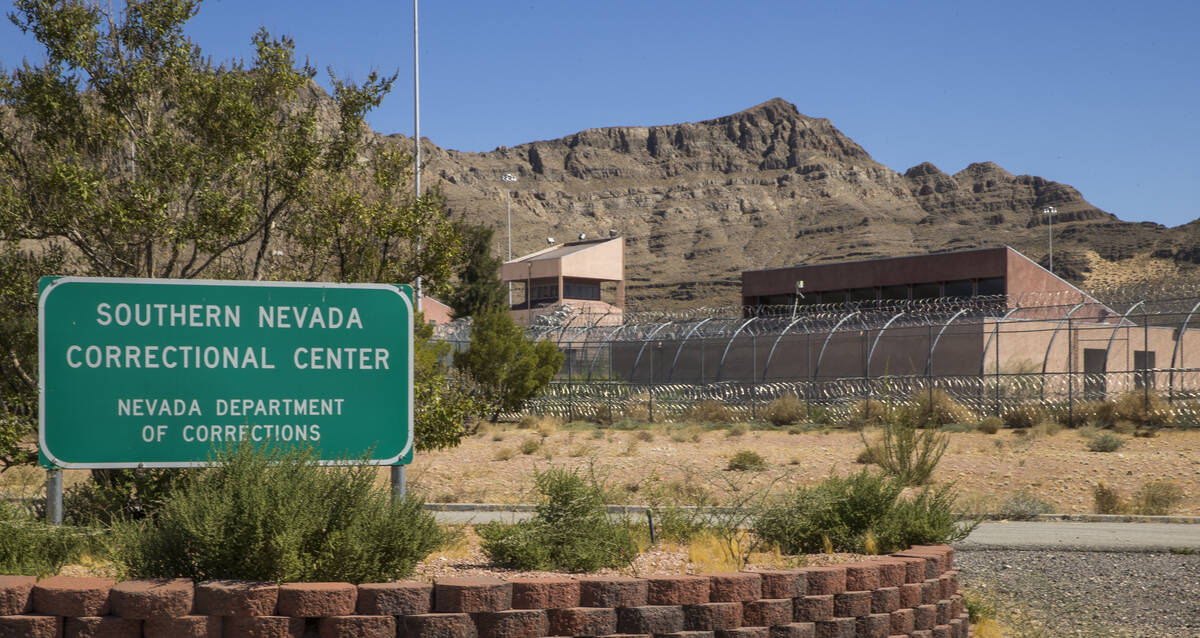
(1143, 362)
(1095, 364)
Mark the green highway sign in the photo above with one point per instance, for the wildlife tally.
(159, 372)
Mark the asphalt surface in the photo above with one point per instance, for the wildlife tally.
(1012, 535)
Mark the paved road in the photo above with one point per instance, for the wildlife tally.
(1117, 537)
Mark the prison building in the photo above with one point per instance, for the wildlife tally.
(994, 273)
(980, 314)
(588, 276)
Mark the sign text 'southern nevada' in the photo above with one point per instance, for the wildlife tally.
(158, 373)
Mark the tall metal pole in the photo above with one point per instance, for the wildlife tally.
(509, 178)
(416, 105)
(1050, 212)
(398, 474)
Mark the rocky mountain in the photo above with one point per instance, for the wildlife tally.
(700, 202)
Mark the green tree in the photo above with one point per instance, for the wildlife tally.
(506, 367)
(479, 287)
(129, 153)
(19, 272)
(444, 408)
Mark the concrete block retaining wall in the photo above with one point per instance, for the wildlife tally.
(911, 593)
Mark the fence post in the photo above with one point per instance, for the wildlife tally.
(1146, 361)
(867, 372)
(1070, 377)
(997, 341)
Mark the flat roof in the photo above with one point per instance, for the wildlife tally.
(557, 252)
(823, 264)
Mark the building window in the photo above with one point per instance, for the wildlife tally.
(893, 292)
(960, 288)
(991, 286)
(863, 294)
(582, 291)
(926, 291)
(542, 292)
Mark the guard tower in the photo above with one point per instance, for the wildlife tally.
(588, 276)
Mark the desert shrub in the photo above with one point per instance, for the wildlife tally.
(644, 435)
(530, 445)
(117, 495)
(1023, 506)
(785, 410)
(279, 515)
(571, 530)
(504, 454)
(709, 411)
(1157, 498)
(1045, 428)
(679, 525)
(737, 429)
(841, 513)
(869, 455)
(1105, 442)
(990, 425)
(29, 547)
(599, 413)
(1024, 415)
(870, 412)
(1106, 500)
(1087, 413)
(938, 408)
(910, 454)
(1134, 407)
(637, 407)
(747, 461)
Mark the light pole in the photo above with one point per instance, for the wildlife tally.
(509, 179)
(1050, 212)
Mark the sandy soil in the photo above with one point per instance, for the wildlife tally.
(689, 463)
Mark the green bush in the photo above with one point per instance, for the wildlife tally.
(1023, 506)
(1105, 442)
(786, 410)
(29, 547)
(1157, 498)
(281, 516)
(841, 513)
(118, 495)
(571, 530)
(747, 461)
(909, 454)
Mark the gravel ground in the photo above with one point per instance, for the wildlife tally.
(1042, 593)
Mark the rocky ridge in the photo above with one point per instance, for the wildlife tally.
(700, 202)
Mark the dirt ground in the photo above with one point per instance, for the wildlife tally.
(688, 463)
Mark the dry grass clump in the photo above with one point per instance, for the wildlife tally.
(937, 407)
(871, 412)
(637, 408)
(1145, 409)
(709, 411)
(1156, 498)
(1024, 415)
(786, 410)
(530, 445)
(990, 425)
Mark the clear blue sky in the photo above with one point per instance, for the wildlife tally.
(1101, 95)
